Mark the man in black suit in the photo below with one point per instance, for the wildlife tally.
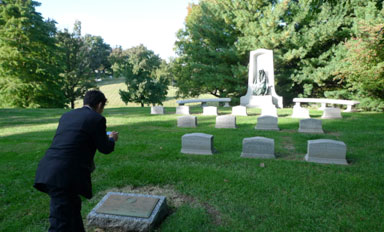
(64, 172)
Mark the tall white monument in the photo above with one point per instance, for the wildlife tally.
(261, 81)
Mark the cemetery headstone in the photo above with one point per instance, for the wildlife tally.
(269, 110)
(182, 110)
(226, 121)
(267, 123)
(197, 143)
(311, 125)
(157, 110)
(326, 151)
(331, 113)
(128, 212)
(261, 81)
(187, 121)
(300, 112)
(258, 147)
(210, 110)
(239, 111)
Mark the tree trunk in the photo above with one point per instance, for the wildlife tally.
(72, 104)
(142, 104)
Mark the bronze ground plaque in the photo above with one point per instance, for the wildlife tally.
(132, 206)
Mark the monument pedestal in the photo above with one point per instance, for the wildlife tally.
(258, 101)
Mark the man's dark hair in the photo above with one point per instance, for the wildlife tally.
(93, 98)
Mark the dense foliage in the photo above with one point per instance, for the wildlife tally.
(363, 64)
(28, 73)
(147, 75)
(208, 61)
(76, 64)
(307, 38)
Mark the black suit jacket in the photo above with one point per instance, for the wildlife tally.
(68, 162)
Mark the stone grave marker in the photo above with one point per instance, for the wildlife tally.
(269, 110)
(226, 121)
(267, 123)
(311, 125)
(300, 112)
(182, 110)
(210, 110)
(187, 121)
(157, 110)
(239, 111)
(197, 143)
(331, 113)
(128, 212)
(258, 147)
(326, 151)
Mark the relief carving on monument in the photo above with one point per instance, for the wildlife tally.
(261, 88)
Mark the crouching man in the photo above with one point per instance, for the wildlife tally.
(64, 173)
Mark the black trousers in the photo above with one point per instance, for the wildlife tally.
(65, 211)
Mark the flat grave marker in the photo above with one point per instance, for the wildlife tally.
(128, 212)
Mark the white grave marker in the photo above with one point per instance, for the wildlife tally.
(267, 123)
(182, 110)
(157, 110)
(226, 121)
(300, 112)
(331, 113)
(197, 143)
(311, 125)
(326, 151)
(239, 111)
(210, 110)
(258, 147)
(187, 121)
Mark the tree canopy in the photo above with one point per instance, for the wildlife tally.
(307, 38)
(146, 75)
(28, 61)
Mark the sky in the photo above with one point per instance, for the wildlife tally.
(126, 23)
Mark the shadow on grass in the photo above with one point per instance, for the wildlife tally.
(148, 153)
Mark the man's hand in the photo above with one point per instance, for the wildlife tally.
(114, 135)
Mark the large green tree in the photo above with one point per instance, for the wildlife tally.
(146, 75)
(306, 36)
(361, 67)
(99, 52)
(76, 72)
(28, 61)
(208, 60)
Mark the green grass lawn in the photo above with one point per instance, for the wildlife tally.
(223, 192)
(111, 87)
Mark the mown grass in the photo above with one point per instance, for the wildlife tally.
(111, 87)
(223, 192)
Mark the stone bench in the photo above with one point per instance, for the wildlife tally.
(204, 101)
(324, 102)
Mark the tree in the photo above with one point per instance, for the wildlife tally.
(146, 75)
(76, 63)
(28, 61)
(362, 63)
(304, 36)
(99, 53)
(208, 60)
